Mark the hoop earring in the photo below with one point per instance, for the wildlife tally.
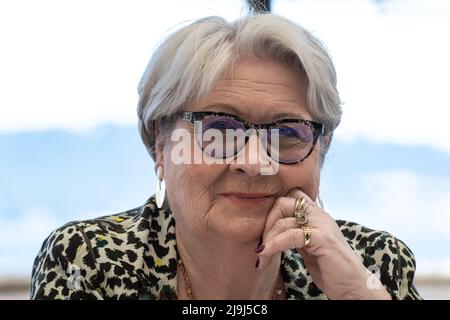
(319, 202)
(160, 188)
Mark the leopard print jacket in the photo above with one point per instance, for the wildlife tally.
(133, 255)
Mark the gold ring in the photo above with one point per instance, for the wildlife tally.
(303, 205)
(300, 211)
(307, 233)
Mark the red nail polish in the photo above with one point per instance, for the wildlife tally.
(257, 263)
(260, 248)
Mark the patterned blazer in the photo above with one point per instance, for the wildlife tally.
(133, 255)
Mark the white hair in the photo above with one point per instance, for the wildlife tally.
(187, 64)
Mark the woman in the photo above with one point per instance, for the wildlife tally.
(240, 218)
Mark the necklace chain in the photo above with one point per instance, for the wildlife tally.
(277, 290)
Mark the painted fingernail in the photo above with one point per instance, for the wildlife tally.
(259, 242)
(260, 248)
(257, 263)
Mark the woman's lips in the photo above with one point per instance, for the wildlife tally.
(247, 200)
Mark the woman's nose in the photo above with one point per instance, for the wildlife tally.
(253, 158)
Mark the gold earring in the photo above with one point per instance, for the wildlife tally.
(320, 203)
(160, 188)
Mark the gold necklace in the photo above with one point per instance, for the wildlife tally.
(277, 290)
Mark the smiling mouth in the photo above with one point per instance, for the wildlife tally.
(247, 200)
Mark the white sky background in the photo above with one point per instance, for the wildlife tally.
(76, 64)
(393, 68)
(399, 201)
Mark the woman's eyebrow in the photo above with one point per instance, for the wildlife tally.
(234, 110)
(224, 107)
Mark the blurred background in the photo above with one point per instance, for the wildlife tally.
(70, 147)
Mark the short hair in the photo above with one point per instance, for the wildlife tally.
(188, 63)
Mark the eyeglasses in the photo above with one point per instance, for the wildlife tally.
(296, 137)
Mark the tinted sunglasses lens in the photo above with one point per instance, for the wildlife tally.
(290, 142)
(222, 136)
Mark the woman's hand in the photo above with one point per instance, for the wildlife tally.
(334, 266)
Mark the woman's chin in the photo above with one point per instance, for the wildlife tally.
(241, 229)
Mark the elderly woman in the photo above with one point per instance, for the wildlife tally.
(236, 216)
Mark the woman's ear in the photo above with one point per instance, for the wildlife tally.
(324, 145)
(325, 141)
(159, 145)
